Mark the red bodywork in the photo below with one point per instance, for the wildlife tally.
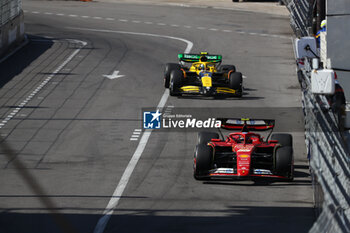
(243, 144)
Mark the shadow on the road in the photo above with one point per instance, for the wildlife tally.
(301, 166)
(250, 89)
(204, 219)
(15, 64)
(260, 1)
(198, 97)
(301, 174)
(274, 183)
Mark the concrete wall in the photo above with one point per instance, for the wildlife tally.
(11, 34)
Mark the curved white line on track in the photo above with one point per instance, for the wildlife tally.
(118, 192)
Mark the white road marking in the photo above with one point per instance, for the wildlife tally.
(187, 26)
(72, 15)
(60, 14)
(148, 22)
(131, 139)
(174, 25)
(32, 94)
(48, 13)
(201, 28)
(161, 24)
(226, 30)
(114, 75)
(97, 17)
(123, 20)
(136, 21)
(35, 12)
(109, 19)
(85, 16)
(213, 29)
(118, 192)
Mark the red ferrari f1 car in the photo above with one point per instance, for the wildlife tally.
(244, 155)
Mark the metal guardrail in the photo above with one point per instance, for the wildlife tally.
(329, 159)
(328, 156)
(9, 9)
(300, 15)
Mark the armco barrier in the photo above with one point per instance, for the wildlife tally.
(300, 15)
(329, 160)
(328, 156)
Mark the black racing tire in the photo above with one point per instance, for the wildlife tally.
(236, 81)
(227, 68)
(284, 162)
(205, 137)
(167, 70)
(176, 79)
(283, 139)
(203, 156)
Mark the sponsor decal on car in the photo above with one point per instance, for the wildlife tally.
(225, 170)
(262, 172)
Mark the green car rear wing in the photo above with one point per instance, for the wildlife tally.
(187, 57)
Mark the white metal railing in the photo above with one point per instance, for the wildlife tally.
(300, 15)
(329, 159)
(9, 9)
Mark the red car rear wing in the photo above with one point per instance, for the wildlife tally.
(247, 124)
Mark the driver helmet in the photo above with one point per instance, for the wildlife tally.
(201, 67)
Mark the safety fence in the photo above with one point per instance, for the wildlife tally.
(9, 9)
(300, 15)
(327, 152)
(329, 160)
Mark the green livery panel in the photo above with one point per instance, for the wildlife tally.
(187, 57)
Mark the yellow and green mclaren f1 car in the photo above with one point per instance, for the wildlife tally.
(206, 76)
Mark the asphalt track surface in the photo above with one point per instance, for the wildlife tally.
(66, 129)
